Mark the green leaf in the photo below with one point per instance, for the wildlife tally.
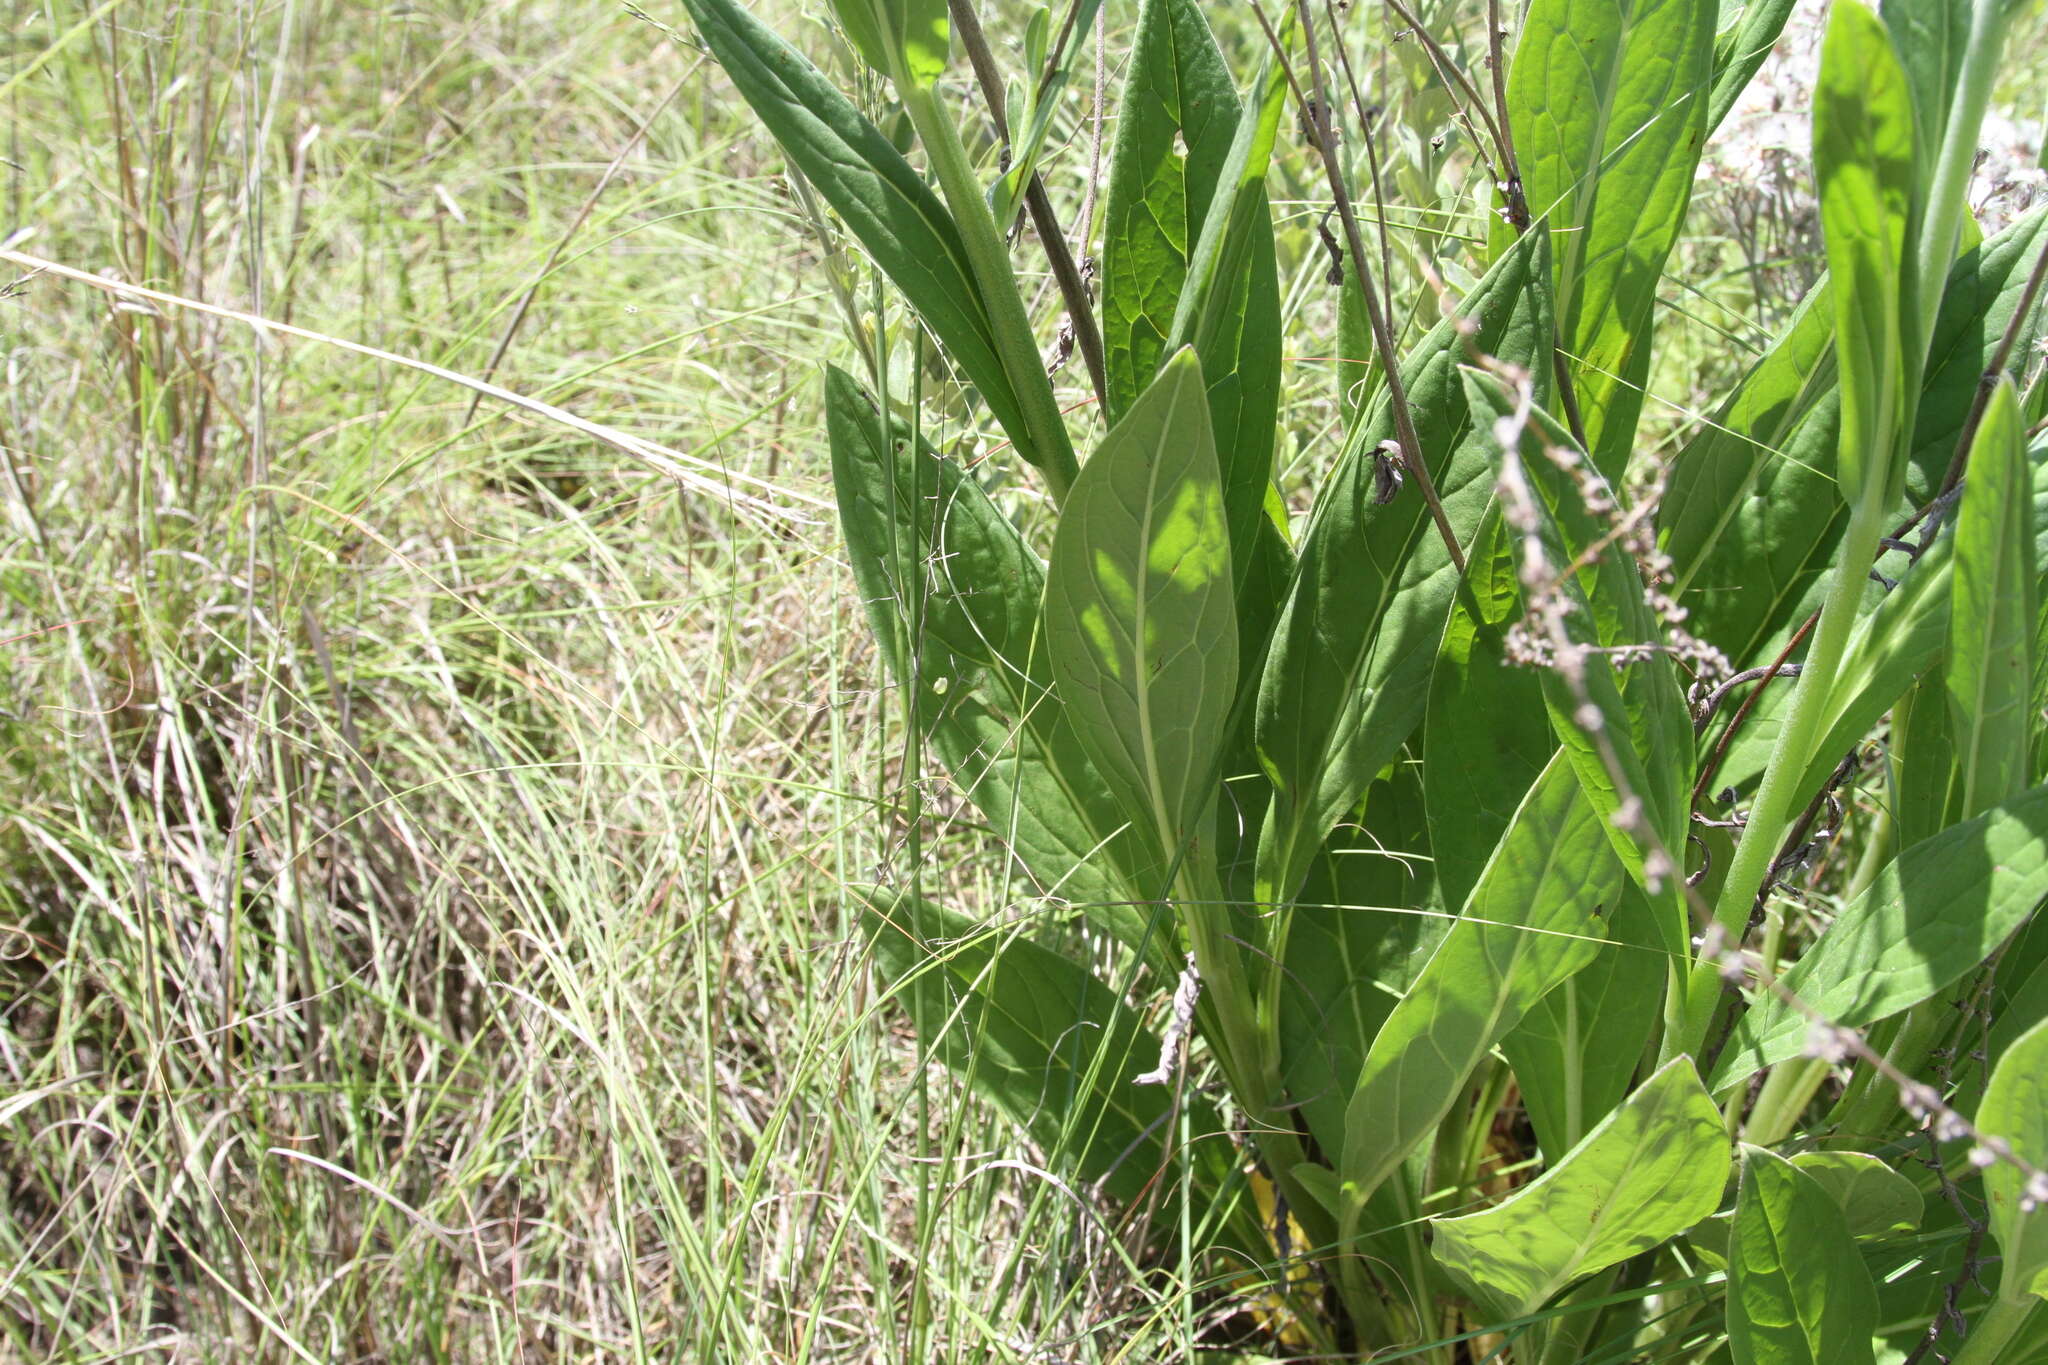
(1979, 302)
(1175, 125)
(1366, 921)
(1531, 922)
(1138, 615)
(1741, 51)
(1934, 913)
(1576, 1051)
(2015, 1108)
(1645, 726)
(1652, 1169)
(1991, 620)
(1899, 640)
(1346, 679)
(883, 201)
(1930, 37)
(1713, 473)
(1920, 762)
(953, 594)
(1054, 1048)
(1608, 100)
(1798, 1292)
(1875, 1200)
(1754, 517)
(1188, 258)
(910, 36)
(1863, 159)
(1485, 733)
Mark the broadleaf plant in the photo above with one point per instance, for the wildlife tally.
(1492, 863)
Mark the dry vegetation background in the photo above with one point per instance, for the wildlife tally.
(421, 825)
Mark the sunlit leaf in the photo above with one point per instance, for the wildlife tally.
(1934, 913)
(1346, 679)
(1991, 620)
(1652, 1169)
(1798, 1292)
(1863, 159)
(1608, 100)
(2015, 1108)
(1532, 921)
(1138, 615)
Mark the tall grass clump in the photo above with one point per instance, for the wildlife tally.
(1494, 869)
(421, 934)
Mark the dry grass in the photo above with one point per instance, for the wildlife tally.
(422, 828)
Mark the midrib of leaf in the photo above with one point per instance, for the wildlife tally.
(1588, 187)
(1169, 842)
(1603, 1201)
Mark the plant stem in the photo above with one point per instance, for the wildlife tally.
(1783, 1099)
(990, 259)
(1774, 806)
(1942, 228)
(1994, 1330)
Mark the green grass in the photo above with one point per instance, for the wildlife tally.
(421, 830)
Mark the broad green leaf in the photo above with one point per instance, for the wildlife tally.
(1982, 294)
(1934, 913)
(1899, 640)
(1652, 1169)
(1929, 37)
(1054, 1048)
(1229, 312)
(1608, 100)
(953, 594)
(1875, 1200)
(1754, 514)
(2022, 999)
(1346, 679)
(1644, 749)
(1532, 921)
(1175, 125)
(1138, 616)
(1798, 1292)
(1485, 733)
(1863, 159)
(1920, 762)
(1576, 1051)
(883, 201)
(1365, 922)
(907, 36)
(1991, 619)
(1188, 228)
(2015, 1107)
(1713, 473)
(1740, 52)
